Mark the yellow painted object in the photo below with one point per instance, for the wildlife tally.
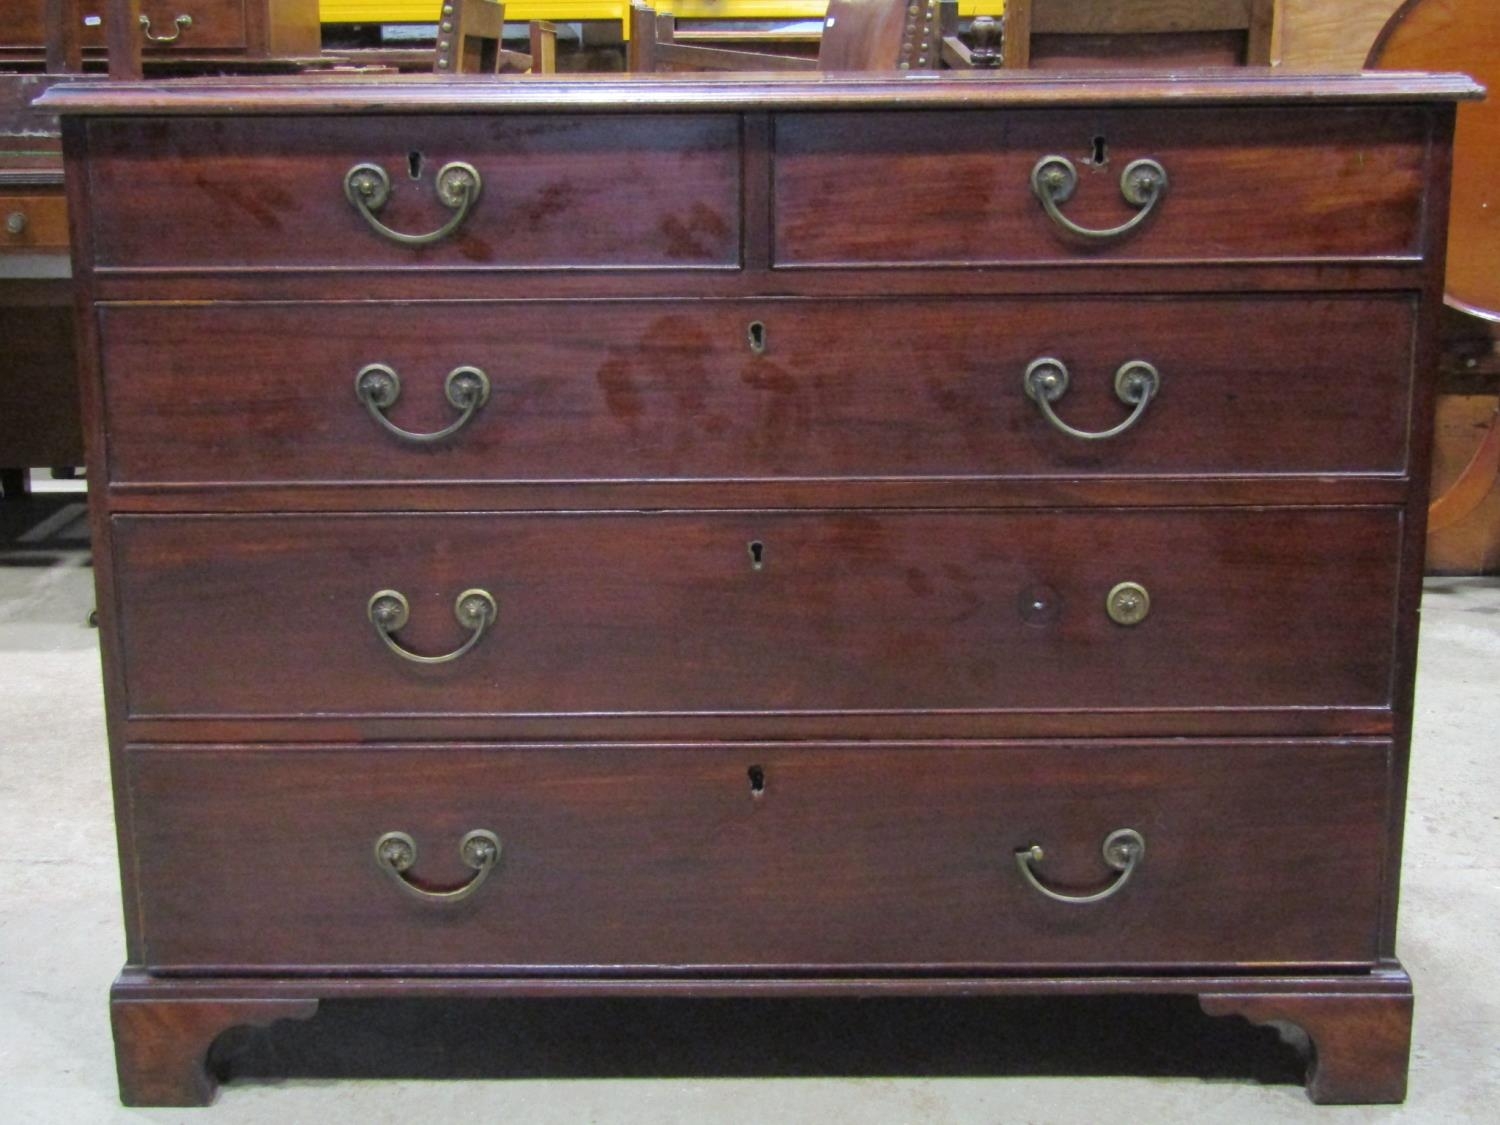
(570, 11)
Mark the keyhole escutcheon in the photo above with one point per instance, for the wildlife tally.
(757, 551)
(756, 335)
(757, 780)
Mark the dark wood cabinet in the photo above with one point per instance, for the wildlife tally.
(830, 536)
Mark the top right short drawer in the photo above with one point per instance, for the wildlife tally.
(922, 188)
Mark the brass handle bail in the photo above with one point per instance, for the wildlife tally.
(396, 854)
(182, 24)
(1054, 179)
(1046, 380)
(388, 611)
(378, 386)
(368, 189)
(1124, 848)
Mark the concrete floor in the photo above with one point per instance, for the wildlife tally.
(60, 945)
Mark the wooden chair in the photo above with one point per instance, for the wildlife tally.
(858, 35)
(470, 41)
(1072, 34)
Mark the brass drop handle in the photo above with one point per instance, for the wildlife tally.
(378, 386)
(1123, 851)
(1046, 380)
(396, 854)
(182, 23)
(368, 189)
(1055, 179)
(389, 611)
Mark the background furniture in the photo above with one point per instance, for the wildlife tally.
(1066, 34)
(880, 609)
(172, 32)
(1464, 522)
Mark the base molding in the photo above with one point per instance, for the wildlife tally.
(1359, 1023)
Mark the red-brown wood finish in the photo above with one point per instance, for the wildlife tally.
(1360, 1043)
(673, 390)
(918, 702)
(1241, 184)
(161, 1046)
(669, 614)
(584, 191)
(850, 858)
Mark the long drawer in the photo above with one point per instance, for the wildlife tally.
(574, 191)
(761, 612)
(760, 857)
(664, 390)
(956, 188)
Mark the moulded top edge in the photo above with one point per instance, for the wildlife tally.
(344, 93)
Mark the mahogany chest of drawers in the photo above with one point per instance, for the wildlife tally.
(820, 536)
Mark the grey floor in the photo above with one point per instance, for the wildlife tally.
(60, 945)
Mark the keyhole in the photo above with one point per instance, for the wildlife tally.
(757, 554)
(756, 334)
(1100, 153)
(757, 780)
(414, 164)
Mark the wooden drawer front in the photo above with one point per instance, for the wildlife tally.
(672, 390)
(33, 222)
(557, 192)
(652, 859)
(667, 614)
(955, 188)
(217, 24)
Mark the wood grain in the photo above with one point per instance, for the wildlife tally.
(559, 192)
(961, 185)
(850, 612)
(671, 390)
(162, 1045)
(862, 857)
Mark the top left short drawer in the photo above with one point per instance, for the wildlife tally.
(554, 192)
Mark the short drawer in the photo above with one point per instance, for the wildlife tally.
(955, 189)
(757, 389)
(209, 24)
(33, 221)
(784, 613)
(574, 191)
(655, 860)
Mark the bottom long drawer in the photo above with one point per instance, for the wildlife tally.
(759, 857)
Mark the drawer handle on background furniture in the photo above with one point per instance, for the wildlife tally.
(389, 610)
(1123, 849)
(378, 387)
(1046, 381)
(368, 189)
(182, 22)
(396, 853)
(1054, 180)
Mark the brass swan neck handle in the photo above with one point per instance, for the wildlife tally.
(388, 611)
(1054, 179)
(378, 386)
(1123, 850)
(1136, 384)
(396, 854)
(368, 189)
